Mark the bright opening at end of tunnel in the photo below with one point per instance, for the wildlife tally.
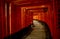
(36, 17)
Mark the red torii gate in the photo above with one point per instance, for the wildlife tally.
(16, 20)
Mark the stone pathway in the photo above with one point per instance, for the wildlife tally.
(38, 31)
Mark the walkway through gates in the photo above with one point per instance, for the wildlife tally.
(40, 31)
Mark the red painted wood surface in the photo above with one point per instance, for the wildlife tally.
(19, 20)
(2, 20)
(28, 18)
(15, 19)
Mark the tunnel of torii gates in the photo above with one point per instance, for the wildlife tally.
(18, 14)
